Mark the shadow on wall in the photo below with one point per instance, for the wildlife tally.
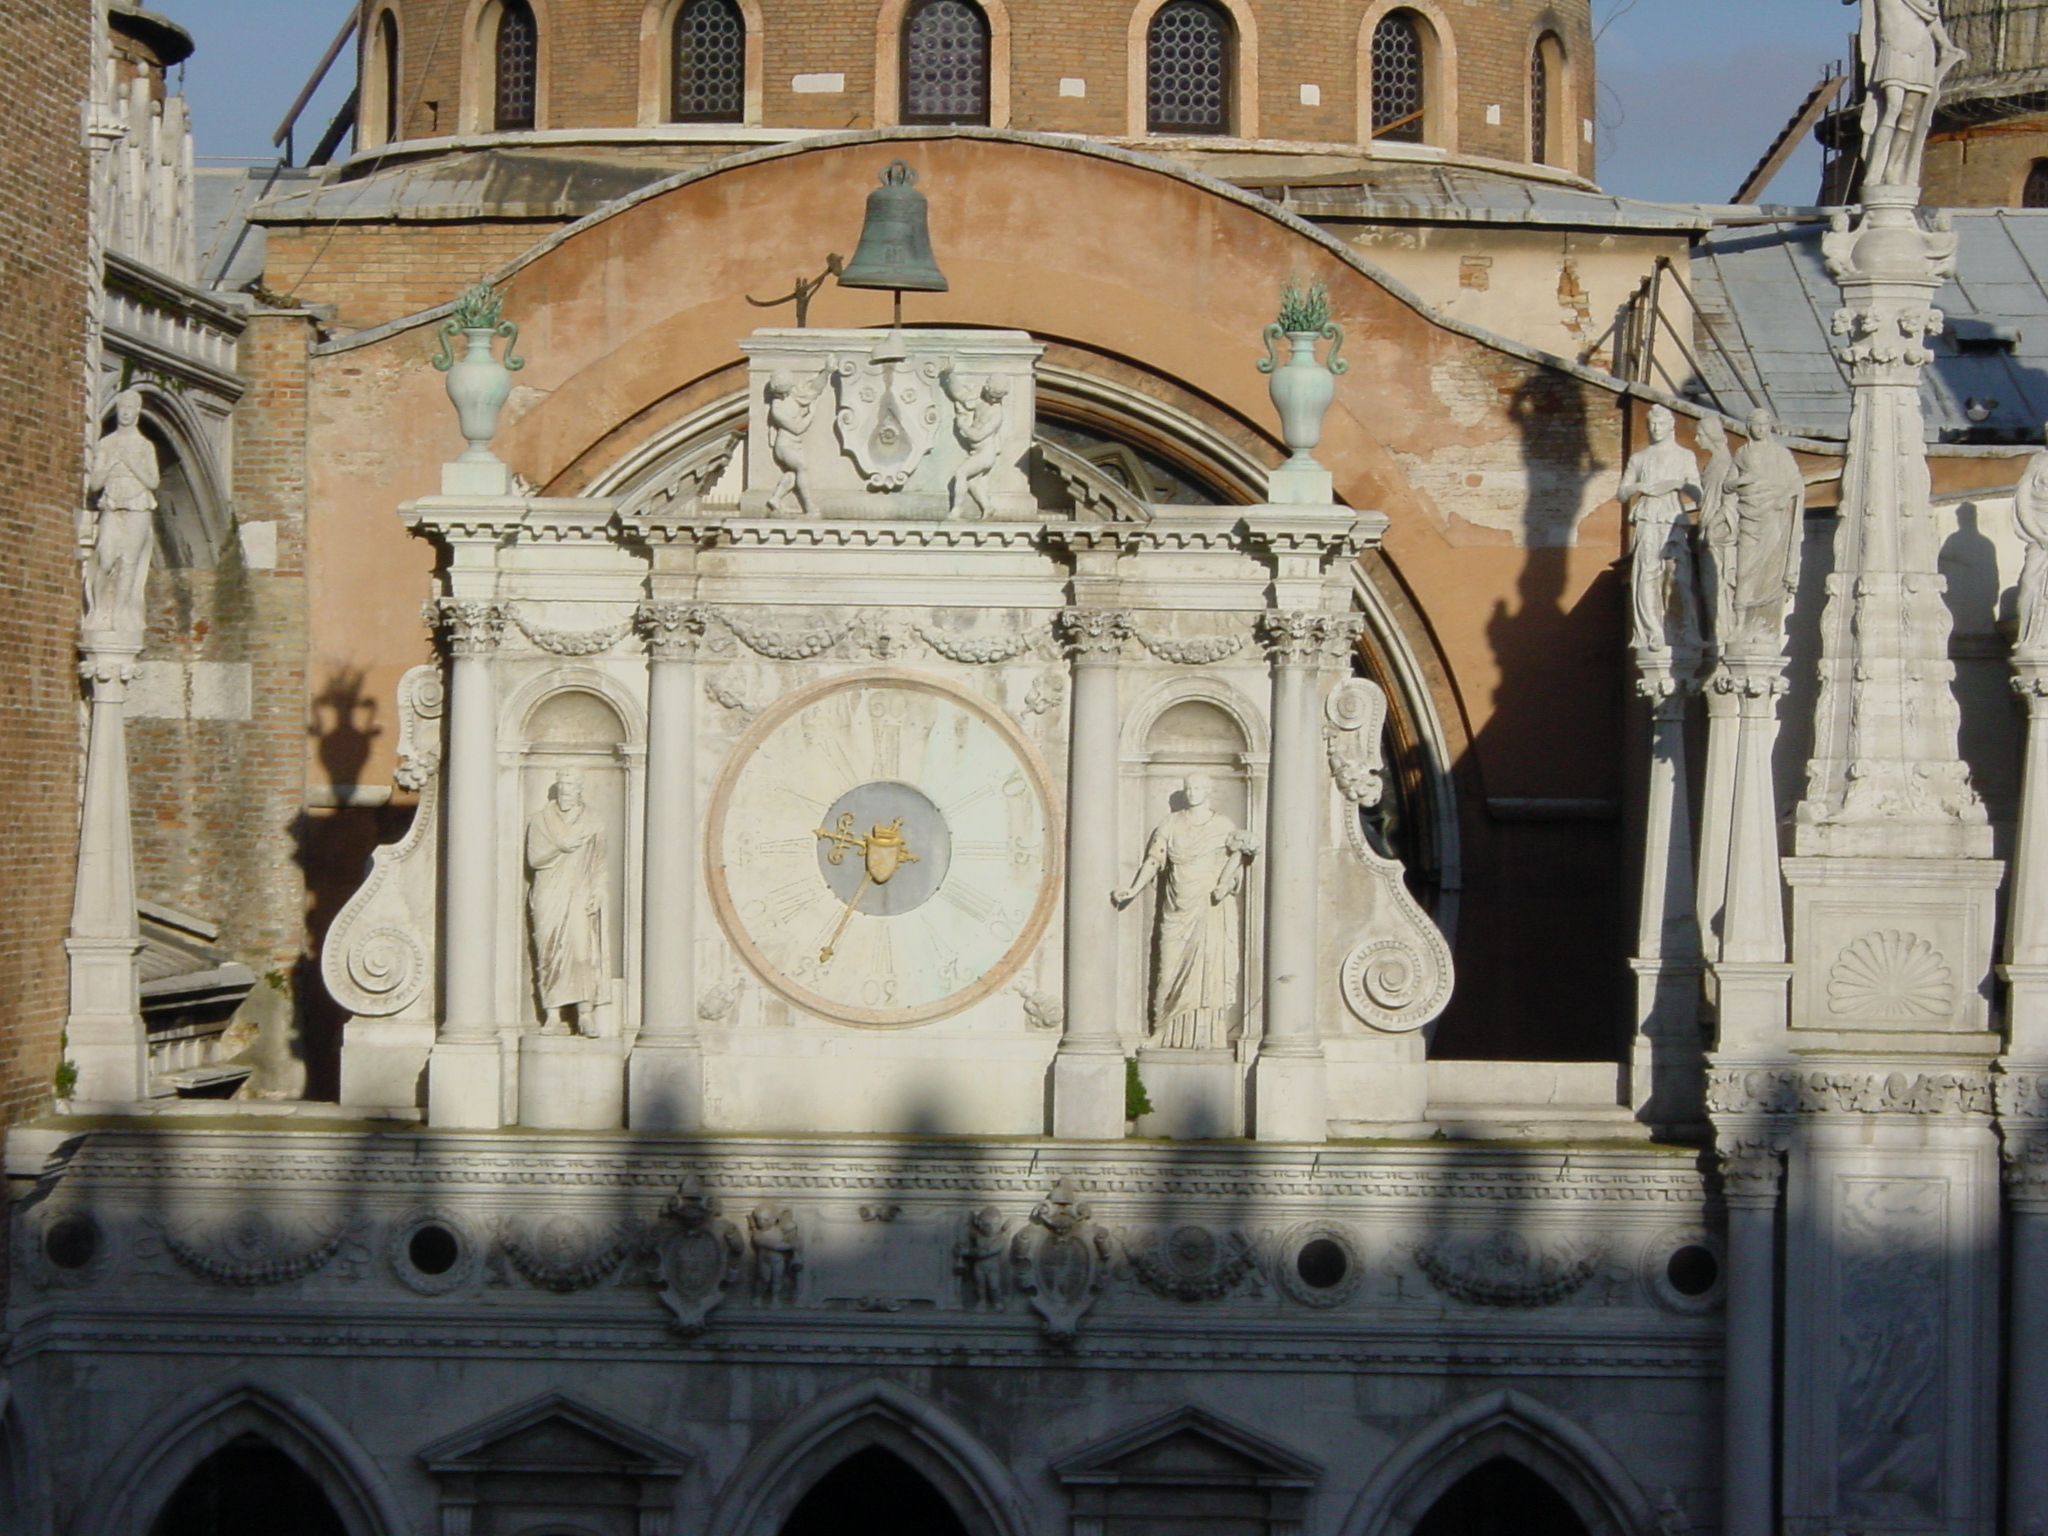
(1541, 940)
(334, 848)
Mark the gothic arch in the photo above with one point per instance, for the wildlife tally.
(782, 1468)
(159, 1457)
(1510, 1424)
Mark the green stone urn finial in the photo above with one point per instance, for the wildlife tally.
(1302, 386)
(479, 383)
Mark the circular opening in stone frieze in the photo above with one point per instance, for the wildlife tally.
(1693, 1270)
(909, 852)
(433, 1249)
(72, 1242)
(1322, 1264)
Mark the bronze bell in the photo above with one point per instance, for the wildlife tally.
(895, 249)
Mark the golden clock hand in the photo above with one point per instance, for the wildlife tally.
(845, 917)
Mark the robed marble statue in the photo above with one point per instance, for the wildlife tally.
(1659, 481)
(1202, 853)
(123, 480)
(2030, 512)
(565, 858)
(1770, 510)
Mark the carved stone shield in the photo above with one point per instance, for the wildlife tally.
(887, 420)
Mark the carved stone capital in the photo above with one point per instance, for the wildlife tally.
(1093, 634)
(106, 674)
(2022, 1093)
(2031, 683)
(1752, 1168)
(673, 631)
(2026, 1165)
(1666, 680)
(465, 628)
(1753, 680)
(1302, 638)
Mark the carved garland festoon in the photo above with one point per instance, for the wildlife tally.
(1791, 1090)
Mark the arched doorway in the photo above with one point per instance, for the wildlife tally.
(873, 1492)
(1501, 1497)
(248, 1488)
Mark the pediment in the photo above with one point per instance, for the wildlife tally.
(1188, 1446)
(554, 1433)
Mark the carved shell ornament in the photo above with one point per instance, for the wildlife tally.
(1890, 974)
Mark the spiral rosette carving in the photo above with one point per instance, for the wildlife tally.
(1891, 975)
(1393, 985)
(388, 966)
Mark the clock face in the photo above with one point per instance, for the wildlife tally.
(882, 849)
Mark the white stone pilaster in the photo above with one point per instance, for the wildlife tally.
(1088, 1072)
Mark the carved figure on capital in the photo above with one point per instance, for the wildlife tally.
(1906, 53)
(1061, 1258)
(1198, 857)
(778, 1253)
(978, 424)
(123, 480)
(673, 631)
(1720, 527)
(697, 1255)
(2030, 512)
(790, 405)
(1093, 634)
(1658, 482)
(565, 859)
(1769, 490)
(978, 1258)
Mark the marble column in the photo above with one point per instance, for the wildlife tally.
(1751, 976)
(1088, 1072)
(1290, 1095)
(104, 1038)
(1752, 1172)
(665, 1077)
(465, 1074)
(1717, 796)
(1665, 1069)
(2026, 1358)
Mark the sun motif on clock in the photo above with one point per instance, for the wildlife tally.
(881, 848)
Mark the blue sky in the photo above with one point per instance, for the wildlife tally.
(1691, 91)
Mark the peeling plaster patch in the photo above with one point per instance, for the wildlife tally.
(1468, 395)
(1536, 508)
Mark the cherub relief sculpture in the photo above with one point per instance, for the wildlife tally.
(2030, 511)
(1203, 855)
(1770, 510)
(1655, 487)
(565, 857)
(124, 477)
(777, 1253)
(790, 404)
(978, 1257)
(978, 424)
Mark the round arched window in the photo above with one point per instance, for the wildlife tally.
(518, 58)
(945, 63)
(1187, 69)
(1400, 87)
(708, 70)
(2035, 193)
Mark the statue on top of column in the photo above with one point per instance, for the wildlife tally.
(1203, 855)
(1769, 490)
(1720, 528)
(1655, 487)
(124, 477)
(2030, 512)
(565, 903)
(1907, 52)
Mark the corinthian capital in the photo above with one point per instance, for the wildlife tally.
(1093, 634)
(1301, 638)
(1752, 1169)
(464, 627)
(673, 631)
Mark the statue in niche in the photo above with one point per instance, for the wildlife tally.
(790, 404)
(1654, 488)
(773, 1232)
(1769, 490)
(1719, 526)
(124, 477)
(565, 858)
(979, 1255)
(978, 424)
(1906, 53)
(2030, 512)
(1203, 856)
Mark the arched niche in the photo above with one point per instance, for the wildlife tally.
(571, 723)
(192, 522)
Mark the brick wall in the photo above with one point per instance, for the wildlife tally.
(377, 272)
(593, 56)
(44, 74)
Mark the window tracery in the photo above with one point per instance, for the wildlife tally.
(1188, 60)
(945, 63)
(708, 63)
(1400, 85)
